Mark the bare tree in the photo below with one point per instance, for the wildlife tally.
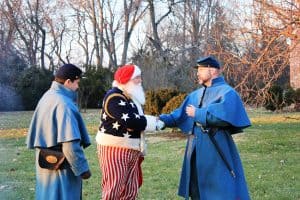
(187, 32)
(154, 37)
(92, 10)
(83, 39)
(267, 56)
(7, 30)
(133, 13)
(30, 22)
(253, 49)
(98, 26)
(57, 30)
(26, 33)
(36, 18)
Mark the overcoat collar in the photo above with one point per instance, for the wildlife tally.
(63, 90)
(217, 81)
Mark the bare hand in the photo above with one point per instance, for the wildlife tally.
(190, 110)
(86, 175)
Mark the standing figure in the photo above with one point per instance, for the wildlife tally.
(58, 135)
(120, 138)
(212, 168)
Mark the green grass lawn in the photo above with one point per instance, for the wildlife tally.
(270, 152)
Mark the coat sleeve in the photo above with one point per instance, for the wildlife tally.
(178, 118)
(75, 157)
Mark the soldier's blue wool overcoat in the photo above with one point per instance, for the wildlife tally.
(57, 121)
(222, 108)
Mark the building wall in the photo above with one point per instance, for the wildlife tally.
(295, 61)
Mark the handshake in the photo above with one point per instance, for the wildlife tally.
(154, 124)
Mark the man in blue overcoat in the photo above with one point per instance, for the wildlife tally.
(57, 125)
(212, 169)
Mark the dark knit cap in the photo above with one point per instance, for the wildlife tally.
(208, 61)
(68, 71)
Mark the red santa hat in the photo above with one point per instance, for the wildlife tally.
(126, 73)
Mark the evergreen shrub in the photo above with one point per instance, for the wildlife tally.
(289, 96)
(297, 99)
(32, 84)
(151, 105)
(275, 98)
(173, 103)
(279, 97)
(156, 100)
(93, 86)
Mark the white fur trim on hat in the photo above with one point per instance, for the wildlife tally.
(137, 72)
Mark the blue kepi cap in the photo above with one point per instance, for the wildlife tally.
(208, 61)
(68, 71)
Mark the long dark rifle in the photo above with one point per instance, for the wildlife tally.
(211, 133)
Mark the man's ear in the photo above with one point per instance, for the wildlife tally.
(220, 71)
(67, 82)
(215, 71)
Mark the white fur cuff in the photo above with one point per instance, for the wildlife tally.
(151, 123)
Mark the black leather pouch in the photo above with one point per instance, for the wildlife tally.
(51, 159)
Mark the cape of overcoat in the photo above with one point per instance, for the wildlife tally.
(221, 108)
(57, 121)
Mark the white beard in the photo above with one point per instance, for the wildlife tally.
(136, 92)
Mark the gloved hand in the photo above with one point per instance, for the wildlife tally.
(160, 125)
(151, 123)
(154, 123)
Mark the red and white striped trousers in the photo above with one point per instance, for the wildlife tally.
(120, 172)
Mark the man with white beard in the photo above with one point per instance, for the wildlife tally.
(120, 138)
